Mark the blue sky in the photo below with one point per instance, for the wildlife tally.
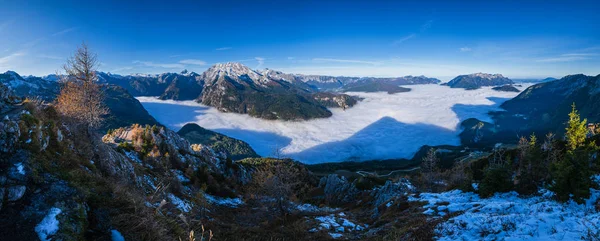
(354, 38)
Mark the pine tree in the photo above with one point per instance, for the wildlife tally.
(571, 173)
(576, 130)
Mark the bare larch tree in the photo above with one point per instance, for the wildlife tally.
(81, 97)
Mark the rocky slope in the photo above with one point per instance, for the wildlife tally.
(539, 109)
(233, 148)
(478, 80)
(546, 105)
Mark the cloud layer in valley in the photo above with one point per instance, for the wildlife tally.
(381, 126)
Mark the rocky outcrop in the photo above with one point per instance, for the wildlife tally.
(391, 190)
(233, 148)
(338, 190)
(335, 100)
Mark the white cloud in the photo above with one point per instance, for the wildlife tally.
(567, 58)
(64, 31)
(465, 49)
(160, 65)
(290, 58)
(375, 128)
(260, 60)
(192, 62)
(346, 61)
(402, 40)
(223, 48)
(7, 59)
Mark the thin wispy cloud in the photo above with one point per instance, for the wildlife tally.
(160, 65)
(7, 59)
(192, 62)
(122, 69)
(33, 42)
(402, 40)
(64, 31)
(427, 25)
(45, 56)
(352, 61)
(223, 48)
(291, 58)
(567, 58)
(260, 60)
(465, 49)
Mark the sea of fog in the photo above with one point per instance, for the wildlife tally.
(381, 126)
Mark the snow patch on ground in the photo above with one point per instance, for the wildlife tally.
(309, 208)
(372, 129)
(180, 204)
(336, 225)
(506, 216)
(20, 168)
(229, 202)
(49, 225)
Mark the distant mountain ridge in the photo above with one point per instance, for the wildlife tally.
(267, 94)
(478, 80)
(123, 108)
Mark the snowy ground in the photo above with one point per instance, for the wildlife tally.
(507, 217)
(381, 126)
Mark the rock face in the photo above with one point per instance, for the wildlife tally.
(233, 148)
(478, 80)
(185, 86)
(391, 190)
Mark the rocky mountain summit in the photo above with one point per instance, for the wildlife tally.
(478, 80)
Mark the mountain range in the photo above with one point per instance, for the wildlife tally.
(267, 94)
(123, 108)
